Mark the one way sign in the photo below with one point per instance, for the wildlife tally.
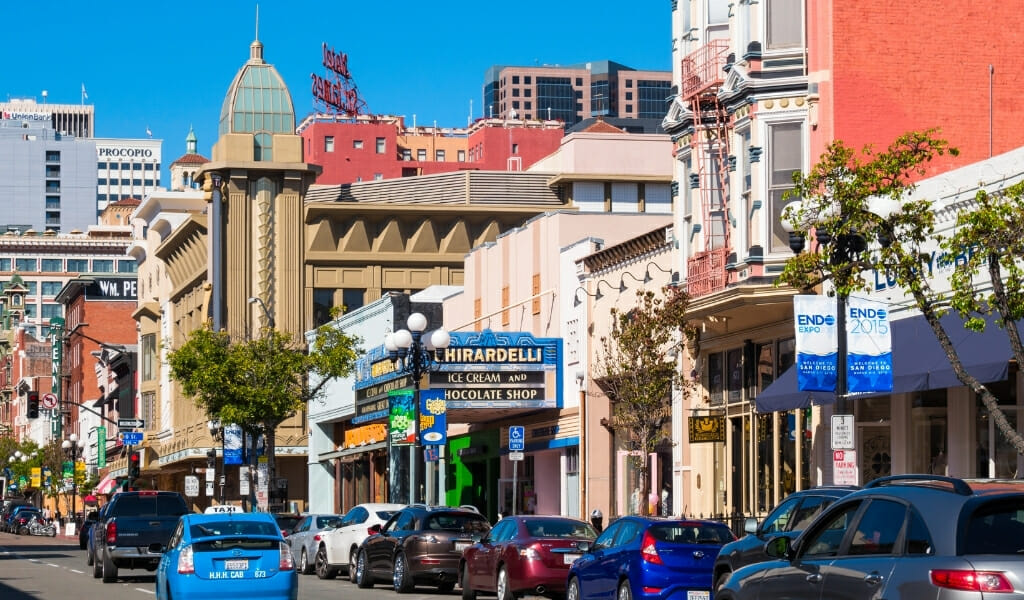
(131, 423)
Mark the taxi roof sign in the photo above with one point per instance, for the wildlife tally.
(222, 508)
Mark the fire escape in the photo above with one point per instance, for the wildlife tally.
(702, 77)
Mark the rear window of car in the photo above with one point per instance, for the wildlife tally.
(691, 533)
(286, 522)
(155, 505)
(329, 521)
(996, 528)
(458, 522)
(233, 527)
(239, 542)
(557, 528)
(384, 515)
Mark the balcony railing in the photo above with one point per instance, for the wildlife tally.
(703, 68)
(705, 272)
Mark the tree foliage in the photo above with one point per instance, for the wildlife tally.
(637, 368)
(867, 194)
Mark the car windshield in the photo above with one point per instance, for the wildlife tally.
(691, 533)
(384, 515)
(233, 527)
(151, 505)
(458, 522)
(559, 528)
(327, 521)
(996, 528)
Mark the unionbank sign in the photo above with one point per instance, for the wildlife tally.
(869, 344)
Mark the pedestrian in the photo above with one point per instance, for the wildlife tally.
(60, 518)
(597, 519)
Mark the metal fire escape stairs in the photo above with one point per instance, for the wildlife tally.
(702, 77)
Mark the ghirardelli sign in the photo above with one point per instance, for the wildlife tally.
(113, 289)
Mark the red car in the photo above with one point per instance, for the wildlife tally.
(524, 554)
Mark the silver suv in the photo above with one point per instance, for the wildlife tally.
(904, 536)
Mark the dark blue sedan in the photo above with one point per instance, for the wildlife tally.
(645, 558)
(227, 555)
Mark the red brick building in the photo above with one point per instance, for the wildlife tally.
(370, 148)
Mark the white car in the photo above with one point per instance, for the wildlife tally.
(337, 548)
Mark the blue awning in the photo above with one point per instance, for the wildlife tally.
(918, 363)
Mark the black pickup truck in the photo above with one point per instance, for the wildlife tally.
(131, 524)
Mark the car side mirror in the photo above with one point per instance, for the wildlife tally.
(156, 548)
(779, 547)
(750, 526)
(583, 545)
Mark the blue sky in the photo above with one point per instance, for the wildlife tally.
(167, 66)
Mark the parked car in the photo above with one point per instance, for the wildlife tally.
(11, 512)
(90, 551)
(524, 554)
(227, 555)
(287, 522)
(135, 526)
(789, 518)
(337, 548)
(648, 558)
(83, 531)
(901, 537)
(9, 506)
(20, 519)
(304, 538)
(419, 544)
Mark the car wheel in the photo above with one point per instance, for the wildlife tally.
(572, 591)
(323, 568)
(468, 593)
(402, 580)
(109, 570)
(97, 568)
(352, 554)
(304, 566)
(363, 577)
(502, 587)
(722, 578)
(624, 592)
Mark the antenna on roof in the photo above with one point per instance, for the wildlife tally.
(257, 22)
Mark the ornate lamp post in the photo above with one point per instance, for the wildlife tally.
(415, 352)
(72, 449)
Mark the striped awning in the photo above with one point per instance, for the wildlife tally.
(106, 485)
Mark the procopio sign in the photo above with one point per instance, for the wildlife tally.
(115, 152)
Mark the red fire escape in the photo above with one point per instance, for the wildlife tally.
(702, 77)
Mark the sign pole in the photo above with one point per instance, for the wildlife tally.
(515, 487)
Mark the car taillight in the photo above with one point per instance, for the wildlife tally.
(284, 533)
(111, 532)
(974, 581)
(287, 563)
(529, 553)
(370, 531)
(186, 564)
(316, 538)
(648, 552)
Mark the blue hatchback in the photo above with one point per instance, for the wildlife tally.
(227, 555)
(646, 558)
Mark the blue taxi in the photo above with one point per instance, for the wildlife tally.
(227, 554)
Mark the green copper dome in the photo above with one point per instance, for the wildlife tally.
(258, 102)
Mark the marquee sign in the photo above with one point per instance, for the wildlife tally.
(337, 89)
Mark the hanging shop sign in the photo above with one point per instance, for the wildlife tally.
(706, 429)
(433, 418)
(367, 434)
(402, 421)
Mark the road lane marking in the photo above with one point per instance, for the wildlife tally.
(76, 571)
(51, 565)
(146, 591)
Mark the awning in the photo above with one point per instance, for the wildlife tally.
(918, 363)
(108, 483)
(350, 451)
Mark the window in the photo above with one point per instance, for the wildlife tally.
(31, 310)
(827, 537)
(784, 24)
(148, 357)
(878, 528)
(103, 265)
(378, 176)
(51, 311)
(53, 202)
(53, 265)
(785, 157)
(421, 154)
(406, 154)
(78, 265)
(439, 155)
(515, 148)
(716, 378)
(357, 144)
(780, 518)
(328, 143)
(5, 264)
(53, 156)
(515, 79)
(127, 266)
(629, 95)
(51, 288)
(381, 146)
(461, 156)
(26, 265)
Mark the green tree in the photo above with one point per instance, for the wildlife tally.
(866, 194)
(636, 367)
(258, 383)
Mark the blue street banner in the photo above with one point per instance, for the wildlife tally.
(817, 343)
(869, 346)
(233, 445)
(433, 418)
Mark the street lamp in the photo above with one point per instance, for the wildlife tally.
(73, 450)
(266, 311)
(217, 433)
(416, 353)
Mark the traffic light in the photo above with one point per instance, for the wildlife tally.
(33, 405)
(134, 464)
(211, 459)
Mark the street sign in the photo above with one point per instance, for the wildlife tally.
(48, 401)
(131, 438)
(131, 423)
(516, 438)
(191, 486)
(844, 467)
(842, 432)
(516, 455)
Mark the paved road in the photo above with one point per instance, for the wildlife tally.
(41, 568)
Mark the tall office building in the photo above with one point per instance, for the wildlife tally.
(126, 169)
(575, 92)
(67, 119)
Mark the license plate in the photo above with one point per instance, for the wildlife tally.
(460, 546)
(236, 565)
(698, 595)
(570, 558)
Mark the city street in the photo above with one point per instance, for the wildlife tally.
(41, 568)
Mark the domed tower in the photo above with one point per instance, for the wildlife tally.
(183, 170)
(257, 182)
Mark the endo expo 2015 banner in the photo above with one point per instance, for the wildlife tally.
(869, 344)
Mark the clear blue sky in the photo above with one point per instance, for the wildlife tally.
(167, 66)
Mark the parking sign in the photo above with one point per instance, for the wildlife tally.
(516, 438)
